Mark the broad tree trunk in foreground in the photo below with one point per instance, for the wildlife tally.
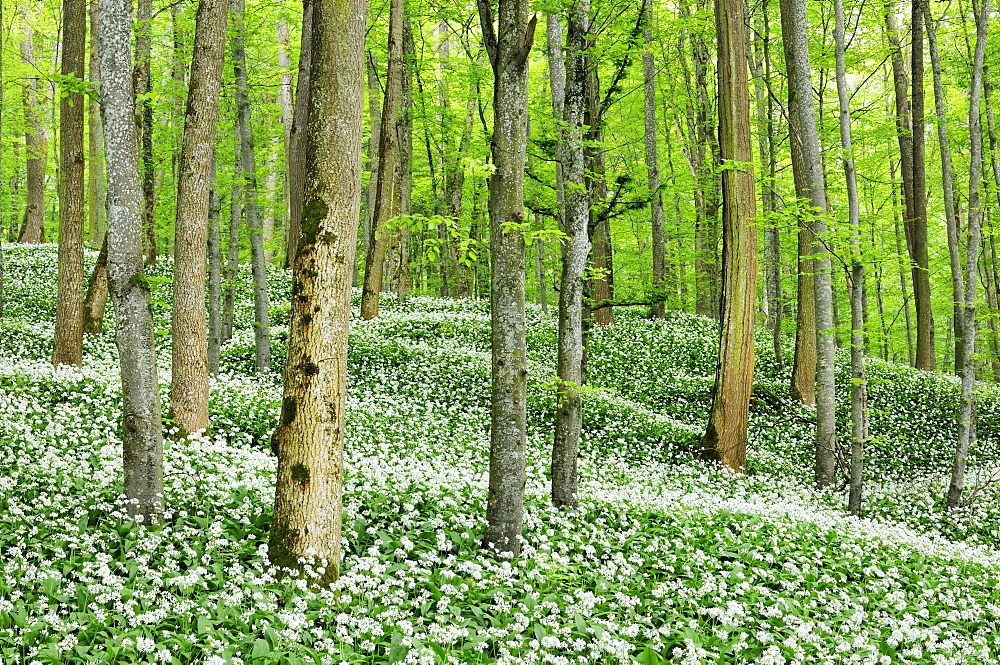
(248, 171)
(803, 123)
(508, 46)
(726, 436)
(69, 307)
(142, 436)
(570, 153)
(388, 144)
(189, 378)
(966, 416)
(309, 439)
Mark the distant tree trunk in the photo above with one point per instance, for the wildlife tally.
(232, 269)
(572, 158)
(947, 188)
(859, 381)
(309, 440)
(95, 161)
(901, 260)
(144, 120)
(69, 308)
(967, 411)
(557, 85)
(794, 36)
(509, 59)
(371, 150)
(96, 299)
(653, 163)
(388, 147)
(214, 250)
(141, 429)
(601, 286)
(726, 436)
(248, 171)
(543, 292)
(36, 147)
(297, 137)
(398, 269)
(285, 102)
(189, 335)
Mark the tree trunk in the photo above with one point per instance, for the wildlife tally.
(189, 376)
(96, 299)
(918, 224)
(36, 147)
(653, 164)
(572, 158)
(97, 207)
(144, 121)
(967, 411)
(543, 292)
(726, 436)
(794, 30)
(601, 288)
(309, 440)
(248, 171)
(388, 144)
(69, 307)
(232, 268)
(214, 250)
(398, 269)
(859, 387)
(141, 431)
(508, 47)
(557, 85)
(285, 102)
(297, 137)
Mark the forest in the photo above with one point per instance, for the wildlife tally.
(404, 331)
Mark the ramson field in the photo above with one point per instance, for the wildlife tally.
(668, 561)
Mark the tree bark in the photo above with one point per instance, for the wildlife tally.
(571, 156)
(388, 147)
(794, 30)
(141, 431)
(144, 122)
(96, 300)
(297, 137)
(726, 435)
(967, 410)
(309, 440)
(189, 368)
(36, 147)
(557, 85)
(859, 385)
(285, 102)
(248, 171)
(214, 250)
(653, 162)
(232, 269)
(508, 47)
(69, 306)
(95, 159)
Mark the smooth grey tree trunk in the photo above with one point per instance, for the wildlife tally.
(508, 45)
(248, 171)
(97, 207)
(653, 165)
(794, 29)
(967, 410)
(859, 382)
(569, 363)
(142, 435)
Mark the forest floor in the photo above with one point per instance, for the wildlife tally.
(668, 560)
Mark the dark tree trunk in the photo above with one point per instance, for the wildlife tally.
(297, 136)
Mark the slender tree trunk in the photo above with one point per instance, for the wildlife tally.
(144, 121)
(543, 292)
(653, 164)
(508, 46)
(248, 171)
(232, 269)
(309, 440)
(36, 146)
(400, 254)
(571, 156)
(95, 160)
(297, 137)
(285, 102)
(947, 188)
(374, 138)
(141, 427)
(388, 147)
(726, 436)
(189, 369)
(967, 411)
(214, 251)
(794, 30)
(600, 286)
(859, 387)
(918, 224)
(69, 307)
(557, 85)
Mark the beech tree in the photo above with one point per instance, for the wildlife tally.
(189, 334)
(142, 437)
(309, 439)
(508, 45)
